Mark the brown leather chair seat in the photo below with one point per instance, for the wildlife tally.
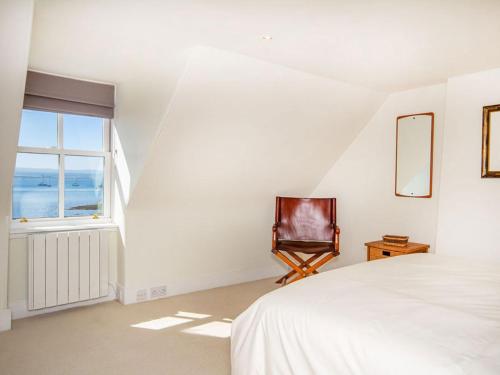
(307, 247)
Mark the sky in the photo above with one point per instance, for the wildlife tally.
(39, 129)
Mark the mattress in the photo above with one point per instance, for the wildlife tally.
(412, 314)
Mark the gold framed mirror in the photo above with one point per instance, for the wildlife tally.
(490, 153)
(414, 153)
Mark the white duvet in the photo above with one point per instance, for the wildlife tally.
(415, 314)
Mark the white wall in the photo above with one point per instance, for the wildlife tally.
(463, 213)
(238, 132)
(15, 31)
(469, 206)
(363, 179)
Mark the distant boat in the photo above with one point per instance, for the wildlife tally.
(43, 183)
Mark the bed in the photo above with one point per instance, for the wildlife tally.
(415, 314)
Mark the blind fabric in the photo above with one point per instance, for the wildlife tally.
(66, 95)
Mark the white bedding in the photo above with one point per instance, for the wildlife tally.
(415, 314)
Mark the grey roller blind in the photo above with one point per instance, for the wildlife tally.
(66, 95)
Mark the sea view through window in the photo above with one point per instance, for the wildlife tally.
(44, 157)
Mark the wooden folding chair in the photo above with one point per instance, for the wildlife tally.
(307, 226)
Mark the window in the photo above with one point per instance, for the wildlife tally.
(62, 166)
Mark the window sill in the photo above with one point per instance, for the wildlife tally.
(20, 230)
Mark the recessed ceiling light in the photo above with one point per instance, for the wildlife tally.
(267, 37)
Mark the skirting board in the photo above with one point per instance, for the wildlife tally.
(197, 283)
(20, 310)
(5, 320)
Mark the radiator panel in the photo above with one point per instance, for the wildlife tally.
(84, 267)
(94, 264)
(38, 271)
(74, 267)
(103, 263)
(67, 267)
(62, 268)
(51, 270)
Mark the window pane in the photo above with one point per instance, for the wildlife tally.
(83, 185)
(83, 133)
(38, 129)
(35, 192)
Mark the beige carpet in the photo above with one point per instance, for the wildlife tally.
(100, 339)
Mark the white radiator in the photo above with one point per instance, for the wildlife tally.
(67, 267)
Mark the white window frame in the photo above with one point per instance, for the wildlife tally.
(62, 153)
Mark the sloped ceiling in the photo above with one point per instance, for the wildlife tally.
(238, 132)
(141, 46)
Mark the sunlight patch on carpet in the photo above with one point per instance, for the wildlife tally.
(162, 323)
(214, 329)
(192, 315)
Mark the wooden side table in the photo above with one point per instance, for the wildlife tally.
(379, 250)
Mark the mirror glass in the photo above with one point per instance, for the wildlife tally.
(414, 137)
(494, 140)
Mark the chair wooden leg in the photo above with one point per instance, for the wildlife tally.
(319, 263)
(303, 264)
(308, 272)
(305, 268)
(280, 255)
(282, 279)
(295, 268)
(296, 278)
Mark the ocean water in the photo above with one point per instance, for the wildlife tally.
(35, 194)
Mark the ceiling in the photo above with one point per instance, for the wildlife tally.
(387, 45)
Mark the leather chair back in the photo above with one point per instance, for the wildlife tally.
(305, 219)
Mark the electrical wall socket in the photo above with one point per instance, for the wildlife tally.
(142, 295)
(159, 292)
